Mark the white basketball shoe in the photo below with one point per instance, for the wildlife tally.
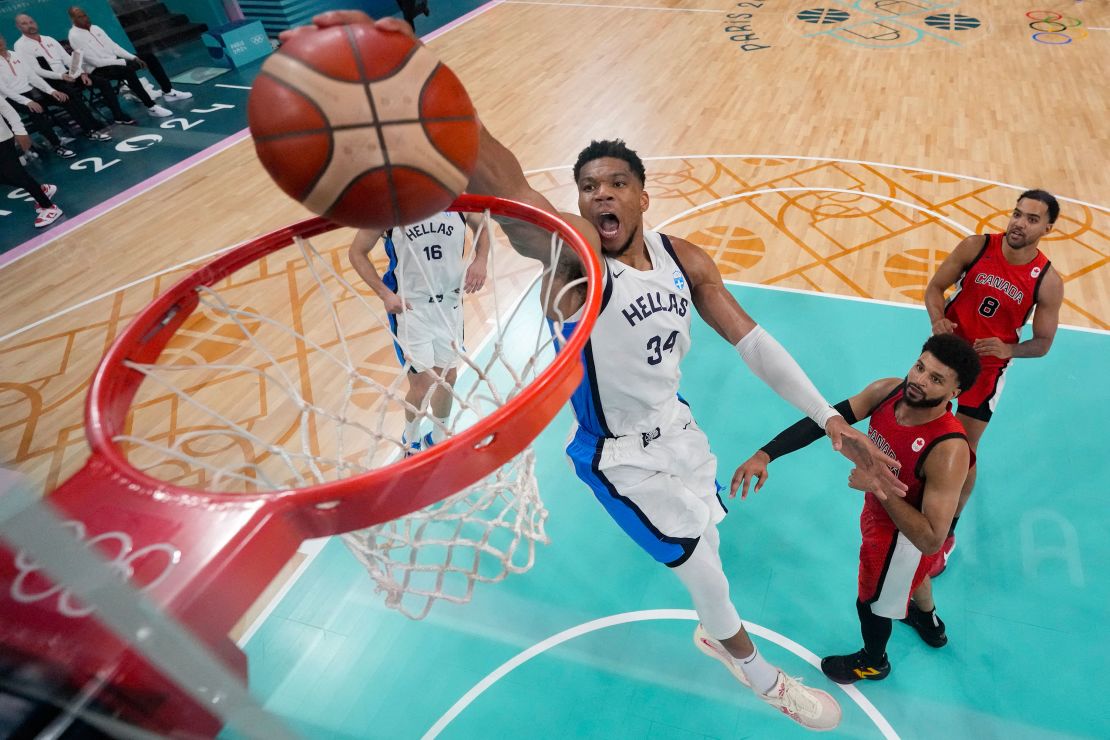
(811, 708)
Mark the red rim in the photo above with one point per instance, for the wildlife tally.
(381, 494)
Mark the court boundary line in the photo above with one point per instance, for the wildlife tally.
(101, 296)
(647, 615)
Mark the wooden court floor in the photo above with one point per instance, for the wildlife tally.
(839, 152)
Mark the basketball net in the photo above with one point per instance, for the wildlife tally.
(309, 390)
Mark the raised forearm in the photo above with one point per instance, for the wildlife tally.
(934, 303)
(1035, 347)
(914, 524)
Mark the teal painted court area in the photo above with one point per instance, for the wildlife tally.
(1025, 598)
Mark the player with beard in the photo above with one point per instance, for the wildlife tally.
(637, 446)
(902, 537)
(999, 278)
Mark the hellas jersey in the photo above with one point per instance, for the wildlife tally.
(994, 298)
(633, 355)
(426, 258)
(910, 445)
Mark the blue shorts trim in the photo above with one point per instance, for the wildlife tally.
(585, 452)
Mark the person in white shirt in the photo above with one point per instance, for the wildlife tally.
(12, 171)
(105, 58)
(28, 93)
(53, 63)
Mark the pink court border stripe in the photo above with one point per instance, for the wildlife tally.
(132, 192)
(150, 183)
(461, 20)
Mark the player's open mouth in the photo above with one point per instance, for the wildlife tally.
(608, 225)
(915, 390)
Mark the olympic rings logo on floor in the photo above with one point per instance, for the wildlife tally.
(123, 563)
(1055, 29)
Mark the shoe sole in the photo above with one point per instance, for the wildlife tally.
(705, 643)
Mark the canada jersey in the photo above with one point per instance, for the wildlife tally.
(910, 445)
(640, 337)
(426, 258)
(994, 298)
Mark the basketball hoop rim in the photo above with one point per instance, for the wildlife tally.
(114, 385)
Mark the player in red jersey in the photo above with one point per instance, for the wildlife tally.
(912, 422)
(999, 278)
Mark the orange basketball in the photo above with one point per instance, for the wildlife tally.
(363, 126)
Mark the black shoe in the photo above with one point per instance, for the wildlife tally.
(64, 152)
(852, 668)
(928, 625)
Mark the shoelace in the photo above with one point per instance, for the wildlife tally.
(796, 699)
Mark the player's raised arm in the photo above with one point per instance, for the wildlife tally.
(804, 432)
(772, 364)
(954, 266)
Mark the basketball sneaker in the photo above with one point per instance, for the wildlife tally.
(46, 216)
(811, 708)
(98, 136)
(158, 111)
(49, 190)
(852, 668)
(715, 649)
(173, 95)
(945, 552)
(928, 625)
(64, 152)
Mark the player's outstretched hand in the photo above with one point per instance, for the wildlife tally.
(871, 463)
(754, 467)
(346, 18)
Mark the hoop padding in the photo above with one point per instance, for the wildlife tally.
(205, 557)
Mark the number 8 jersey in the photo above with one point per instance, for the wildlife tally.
(994, 298)
(639, 339)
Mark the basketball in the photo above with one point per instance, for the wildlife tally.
(364, 127)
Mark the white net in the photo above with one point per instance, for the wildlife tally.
(291, 373)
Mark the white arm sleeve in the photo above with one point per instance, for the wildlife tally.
(774, 366)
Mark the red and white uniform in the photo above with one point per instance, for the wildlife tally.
(993, 298)
(890, 566)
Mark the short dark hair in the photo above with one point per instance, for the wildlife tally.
(1044, 197)
(615, 148)
(957, 353)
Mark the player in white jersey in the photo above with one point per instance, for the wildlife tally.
(641, 452)
(422, 291)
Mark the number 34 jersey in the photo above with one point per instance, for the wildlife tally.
(641, 335)
(993, 297)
